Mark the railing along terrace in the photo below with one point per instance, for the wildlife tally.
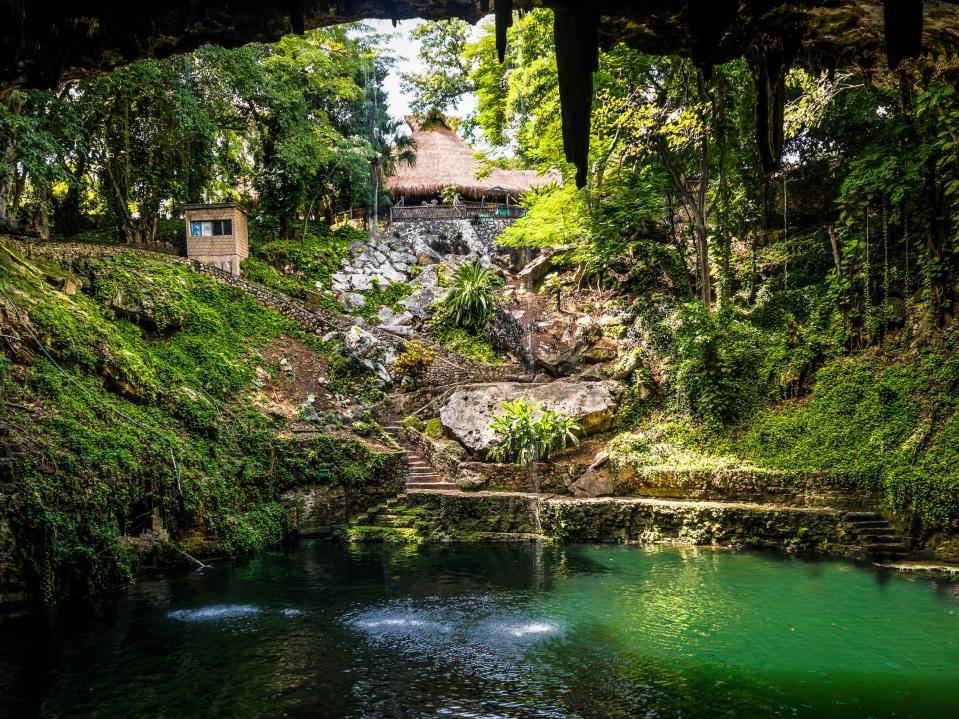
(459, 211)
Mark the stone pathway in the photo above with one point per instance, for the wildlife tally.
(421, 473)
(922, 567)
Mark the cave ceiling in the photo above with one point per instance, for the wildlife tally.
(44, 43)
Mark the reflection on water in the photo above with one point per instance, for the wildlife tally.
(517, 631)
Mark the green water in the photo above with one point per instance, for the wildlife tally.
(487, 631)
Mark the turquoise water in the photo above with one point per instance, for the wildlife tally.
(492, 631)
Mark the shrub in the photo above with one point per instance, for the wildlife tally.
(473, 295)
(469, 343)
(414, 359)
(527, 432)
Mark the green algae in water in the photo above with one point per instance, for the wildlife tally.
(498, 631)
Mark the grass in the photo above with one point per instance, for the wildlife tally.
(156, 409)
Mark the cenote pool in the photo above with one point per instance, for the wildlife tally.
(497, 631)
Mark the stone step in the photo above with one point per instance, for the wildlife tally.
(869, 524)
(880, 539)
(873, 530)
(431, 485)
(855, 516)
(885, 548)
(395, 520)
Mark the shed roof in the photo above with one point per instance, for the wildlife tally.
(443, 159)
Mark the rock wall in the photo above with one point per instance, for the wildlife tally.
(13, 589)
(538, 477)
(460, 516)
(440, 238)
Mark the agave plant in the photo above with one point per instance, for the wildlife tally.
(528, 433)
(473, 295)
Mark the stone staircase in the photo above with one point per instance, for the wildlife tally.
(392, 521)
(875, 538)
(417, 517)
(421, 473)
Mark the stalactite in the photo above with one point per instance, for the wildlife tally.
(576, 35)
(504, 20)
(903, 24)
(709, 20)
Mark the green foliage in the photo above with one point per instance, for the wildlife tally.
(472, 298)
(302, 267)
(151, 422)
(555, 216)
(446, 72)
(450, 195)
(527, 433)
(377, 296)
(716, 369)
(469, 343)
(414, 359)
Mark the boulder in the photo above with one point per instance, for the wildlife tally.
(537, 268)
(594, 482)
(354, 300)
(561, 342)
(368, 351)
(468, 412)
(604, 350)
(359, 283)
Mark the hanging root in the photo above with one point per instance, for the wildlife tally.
(504, 20)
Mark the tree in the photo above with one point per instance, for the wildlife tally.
(446, 77)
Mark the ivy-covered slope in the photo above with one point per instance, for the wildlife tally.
(735, 396)
(149, 399)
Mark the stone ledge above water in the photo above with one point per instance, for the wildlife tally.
(457, 516)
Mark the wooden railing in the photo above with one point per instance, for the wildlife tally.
(458, 211)
(356, 216)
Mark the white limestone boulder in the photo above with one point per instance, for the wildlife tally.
(468, 413)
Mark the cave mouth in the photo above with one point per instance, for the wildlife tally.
(45, 43)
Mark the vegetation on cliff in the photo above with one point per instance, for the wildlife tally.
(150, 401)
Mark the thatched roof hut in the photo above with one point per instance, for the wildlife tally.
(443, 159)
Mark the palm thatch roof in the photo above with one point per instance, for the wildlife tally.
(443, 159)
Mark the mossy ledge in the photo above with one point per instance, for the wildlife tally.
(519, 516)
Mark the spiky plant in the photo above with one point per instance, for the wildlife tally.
(472, 297)
(528, 433)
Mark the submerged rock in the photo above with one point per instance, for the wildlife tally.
(469, 411)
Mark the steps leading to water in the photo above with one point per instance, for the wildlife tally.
(416, 518)
(874, 537)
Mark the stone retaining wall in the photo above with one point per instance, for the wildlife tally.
(459, 515)
(538, 477)
(317, 508)
(808, 490)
